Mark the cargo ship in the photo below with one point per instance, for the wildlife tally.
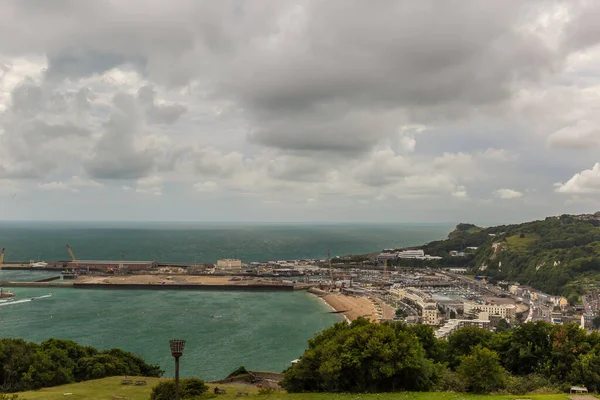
(6, 295)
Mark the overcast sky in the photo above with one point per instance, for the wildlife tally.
(337, 110)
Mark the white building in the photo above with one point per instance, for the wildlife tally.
(229, 263)
(506, 311)
(454, 324)
(411, 254)
(429, 309)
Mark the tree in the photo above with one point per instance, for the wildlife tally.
(481, 371)
(586, 370)
(596, 322)
(529, 348)
(465, 339)
(400, 313)
(27, 365)
(362, 357)
(502, 326)
(568, 342)
(452, 314)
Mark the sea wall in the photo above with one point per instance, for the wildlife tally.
(36, 284)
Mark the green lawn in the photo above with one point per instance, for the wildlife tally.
(517, 243)
(111, 388)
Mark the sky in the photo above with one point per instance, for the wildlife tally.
(305, 110)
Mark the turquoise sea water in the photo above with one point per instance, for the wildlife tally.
(260, 330)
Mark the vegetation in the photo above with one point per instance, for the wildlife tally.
(111, 388)
(558, 255)
(238, 372)
(189, 388)
(391, 356)
(28, 365)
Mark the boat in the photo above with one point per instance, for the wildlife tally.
(6, 295)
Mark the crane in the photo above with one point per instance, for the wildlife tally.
(332, 287)
(73, 256)
(1, 258)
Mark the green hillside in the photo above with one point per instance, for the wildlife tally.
(558, 255)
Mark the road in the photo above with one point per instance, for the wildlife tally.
(541, 312)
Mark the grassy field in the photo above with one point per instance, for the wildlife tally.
(517, 243)
(111, 388)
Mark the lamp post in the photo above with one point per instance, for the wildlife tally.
(177, 346)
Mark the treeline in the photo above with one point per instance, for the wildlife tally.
(30, 366)
(391, 356)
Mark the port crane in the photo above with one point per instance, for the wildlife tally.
(73, 256)
(74, 259)
(1, 258)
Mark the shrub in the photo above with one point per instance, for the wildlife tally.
(188, 389)
(266, 391)
(10, 397)
(529, 384)
(450, 382)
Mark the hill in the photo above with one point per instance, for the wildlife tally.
(558, 255)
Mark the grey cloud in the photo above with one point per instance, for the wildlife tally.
(114, 156)
(405, 57)
(78, 63)
(159, 113)
(38, 136)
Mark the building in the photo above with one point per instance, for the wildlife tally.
(454, 324)
(411, 254)
(430, 314)
(506, 311)
(229, 263)
(429, 308)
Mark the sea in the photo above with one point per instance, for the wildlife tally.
(223, 329)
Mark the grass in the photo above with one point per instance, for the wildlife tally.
(111, 388)
(517, 243)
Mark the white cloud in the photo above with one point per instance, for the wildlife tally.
(150, 185)
(586, 181)
(59, 185)
(207, 186)
(74, 184)
(460, 192)
(508, 193)
(583, 135)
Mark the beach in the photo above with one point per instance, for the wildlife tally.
(352, 307)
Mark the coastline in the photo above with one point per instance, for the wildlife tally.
(352, 307)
